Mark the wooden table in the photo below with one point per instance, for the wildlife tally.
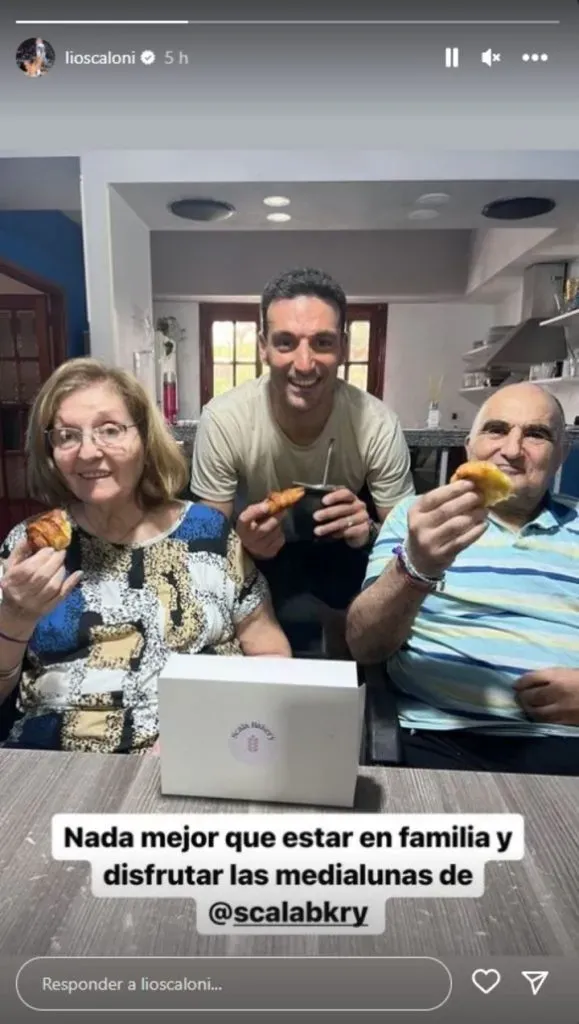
(530, 907)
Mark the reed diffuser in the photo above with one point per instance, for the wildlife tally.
(434, 393)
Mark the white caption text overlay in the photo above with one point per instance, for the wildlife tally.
(288, 873)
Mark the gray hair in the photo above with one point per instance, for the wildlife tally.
(559, 415)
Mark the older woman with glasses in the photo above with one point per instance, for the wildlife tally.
(85, 631)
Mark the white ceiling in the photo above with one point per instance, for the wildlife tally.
(50, 183)
(53, 183)
(347, 206)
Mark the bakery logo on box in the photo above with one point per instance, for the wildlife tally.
(252, 743)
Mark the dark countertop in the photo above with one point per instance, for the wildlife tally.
(416, 437)
(451, 437)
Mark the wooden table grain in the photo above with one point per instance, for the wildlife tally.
(530, 907)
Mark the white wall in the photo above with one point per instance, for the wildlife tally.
(131, 278)
(567, 391)
(494, 249)
(118, 276)
(368, 264)
(340, 163)
(425, 341)
(510, 309)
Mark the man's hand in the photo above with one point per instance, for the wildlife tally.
(441, 524)
(550, 695)
(259, 532)
(344, 517)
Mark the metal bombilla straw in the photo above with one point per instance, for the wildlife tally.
(328, 461)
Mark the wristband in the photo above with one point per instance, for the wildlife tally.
(373, 533)
(425, 583)
(12, 639)
(424, 588)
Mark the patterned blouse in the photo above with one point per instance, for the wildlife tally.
(89, 680)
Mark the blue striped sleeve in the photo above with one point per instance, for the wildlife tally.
(392, 533)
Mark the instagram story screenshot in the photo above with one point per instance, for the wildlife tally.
(289, 510)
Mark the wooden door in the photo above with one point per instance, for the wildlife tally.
(27, 358)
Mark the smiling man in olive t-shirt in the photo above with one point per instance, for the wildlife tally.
(270, 432)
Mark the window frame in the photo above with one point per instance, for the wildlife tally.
(375, 312)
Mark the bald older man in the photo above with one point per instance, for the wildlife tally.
(476, 613)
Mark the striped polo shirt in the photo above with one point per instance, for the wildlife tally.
(510, 605)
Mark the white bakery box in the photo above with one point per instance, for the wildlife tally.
(268, 729)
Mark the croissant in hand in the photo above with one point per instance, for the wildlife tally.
(50, 530)
(493, 485)
(278, 501)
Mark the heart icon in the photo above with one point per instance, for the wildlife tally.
(486, 980)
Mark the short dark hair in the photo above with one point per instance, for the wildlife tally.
(304, 281)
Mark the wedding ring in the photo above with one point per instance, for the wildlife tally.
(350, 523)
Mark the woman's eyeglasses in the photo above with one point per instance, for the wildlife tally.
(110, 435)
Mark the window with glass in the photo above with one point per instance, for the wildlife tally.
(229, 353)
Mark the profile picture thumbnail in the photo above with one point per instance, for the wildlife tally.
(35, 57)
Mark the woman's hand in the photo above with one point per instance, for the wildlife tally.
(261, 635)
(33, 584)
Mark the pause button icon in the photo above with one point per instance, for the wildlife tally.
(451, 57)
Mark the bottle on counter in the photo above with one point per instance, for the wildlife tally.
(433, 419)
(170, 397)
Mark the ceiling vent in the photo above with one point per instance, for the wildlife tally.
(518, 208)
(204, 210)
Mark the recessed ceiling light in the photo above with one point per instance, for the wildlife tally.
(423, 214)
(276, 201)
(278, 217)
(202, 209)
(434, 199)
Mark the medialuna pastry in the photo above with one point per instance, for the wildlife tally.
(50, 530)
(277, 501)
(493, 485)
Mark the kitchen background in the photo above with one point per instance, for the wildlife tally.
(448, 290)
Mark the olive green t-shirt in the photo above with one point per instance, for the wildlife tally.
(240, 452)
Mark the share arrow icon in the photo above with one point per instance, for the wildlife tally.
(536, 979)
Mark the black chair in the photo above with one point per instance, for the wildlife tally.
(382, 725)
(381, 744)
(299, 617)
(8, 714)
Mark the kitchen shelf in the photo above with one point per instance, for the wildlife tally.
(561, 318)
(556, 380)
(475, 351)
(544, 382)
